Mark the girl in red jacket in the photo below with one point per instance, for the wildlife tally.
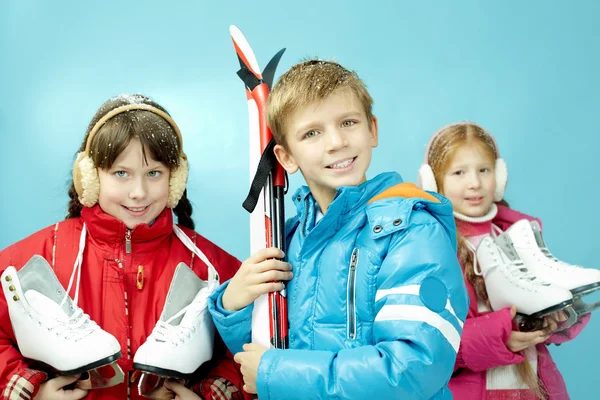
(495, 360)
(128, 181)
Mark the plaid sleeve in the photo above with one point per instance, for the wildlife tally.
(24, 385)
(218, 388)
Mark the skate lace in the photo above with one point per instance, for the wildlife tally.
(516, 268)
(496, 231)
(547, 253)
(473, 250)
(76, 269)
(78, 319)
(76, 327)
(476, 267)
(177, 335)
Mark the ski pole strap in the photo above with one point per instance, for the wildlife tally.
(248, 77)
(265, 166)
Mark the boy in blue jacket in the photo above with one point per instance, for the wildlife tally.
(376, 299)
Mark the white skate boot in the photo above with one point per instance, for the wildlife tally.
(509, 282)
(528, 242)
(51, 330)
(182, 340)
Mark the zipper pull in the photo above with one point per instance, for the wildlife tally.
(128, 241)
(353, 259)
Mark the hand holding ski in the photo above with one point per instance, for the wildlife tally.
(265, 200)
(260, 274)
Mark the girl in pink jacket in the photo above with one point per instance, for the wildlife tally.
(495, 360)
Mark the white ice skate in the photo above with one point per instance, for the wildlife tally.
(509, 282)
(528, 241)
(182, 340)
(53, 331)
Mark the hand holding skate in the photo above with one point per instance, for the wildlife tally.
(53, 331)
(509, 281)
(54, 389)
(519, 341)
(260, 274)
(180, 391)
(528, 242)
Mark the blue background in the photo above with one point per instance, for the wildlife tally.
(527, 71)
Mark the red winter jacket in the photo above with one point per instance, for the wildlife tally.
(108, 274)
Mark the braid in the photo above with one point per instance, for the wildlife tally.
(183, 211)
(75, 207)
(466, 260)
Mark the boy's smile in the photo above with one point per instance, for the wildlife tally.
(331, 143)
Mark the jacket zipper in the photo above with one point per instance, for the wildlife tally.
(305, 217)
(351, 294)
(128, 241)
(125, 294)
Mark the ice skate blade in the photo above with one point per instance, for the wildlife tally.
(583, 290)
(153, 387)
(530, 323)
(99, 374)
(582, 308)
(99, 378)
(161, 372)
(533, 322)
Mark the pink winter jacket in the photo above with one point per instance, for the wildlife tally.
(484, 337)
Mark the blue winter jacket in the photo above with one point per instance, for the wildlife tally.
(377, 302)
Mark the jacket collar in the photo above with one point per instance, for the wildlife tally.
(106, 230)
(348, 201)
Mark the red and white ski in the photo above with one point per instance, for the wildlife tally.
(265, 201)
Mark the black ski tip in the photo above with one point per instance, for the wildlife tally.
(269, 71)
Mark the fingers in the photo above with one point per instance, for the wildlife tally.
(62, 381)
(76, 394)
(175, 387)
(264, 254)
(239, 357)
(272, 264)
(274, 275)
(528, 339)
(560, 316)
(551, 325)
(513, 311)
(269, 287)
(252, 347)
(249, 389)
(529, 336)
(244, 358)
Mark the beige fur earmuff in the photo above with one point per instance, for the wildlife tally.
(85, 175)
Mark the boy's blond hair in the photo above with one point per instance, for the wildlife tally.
(308, 82)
